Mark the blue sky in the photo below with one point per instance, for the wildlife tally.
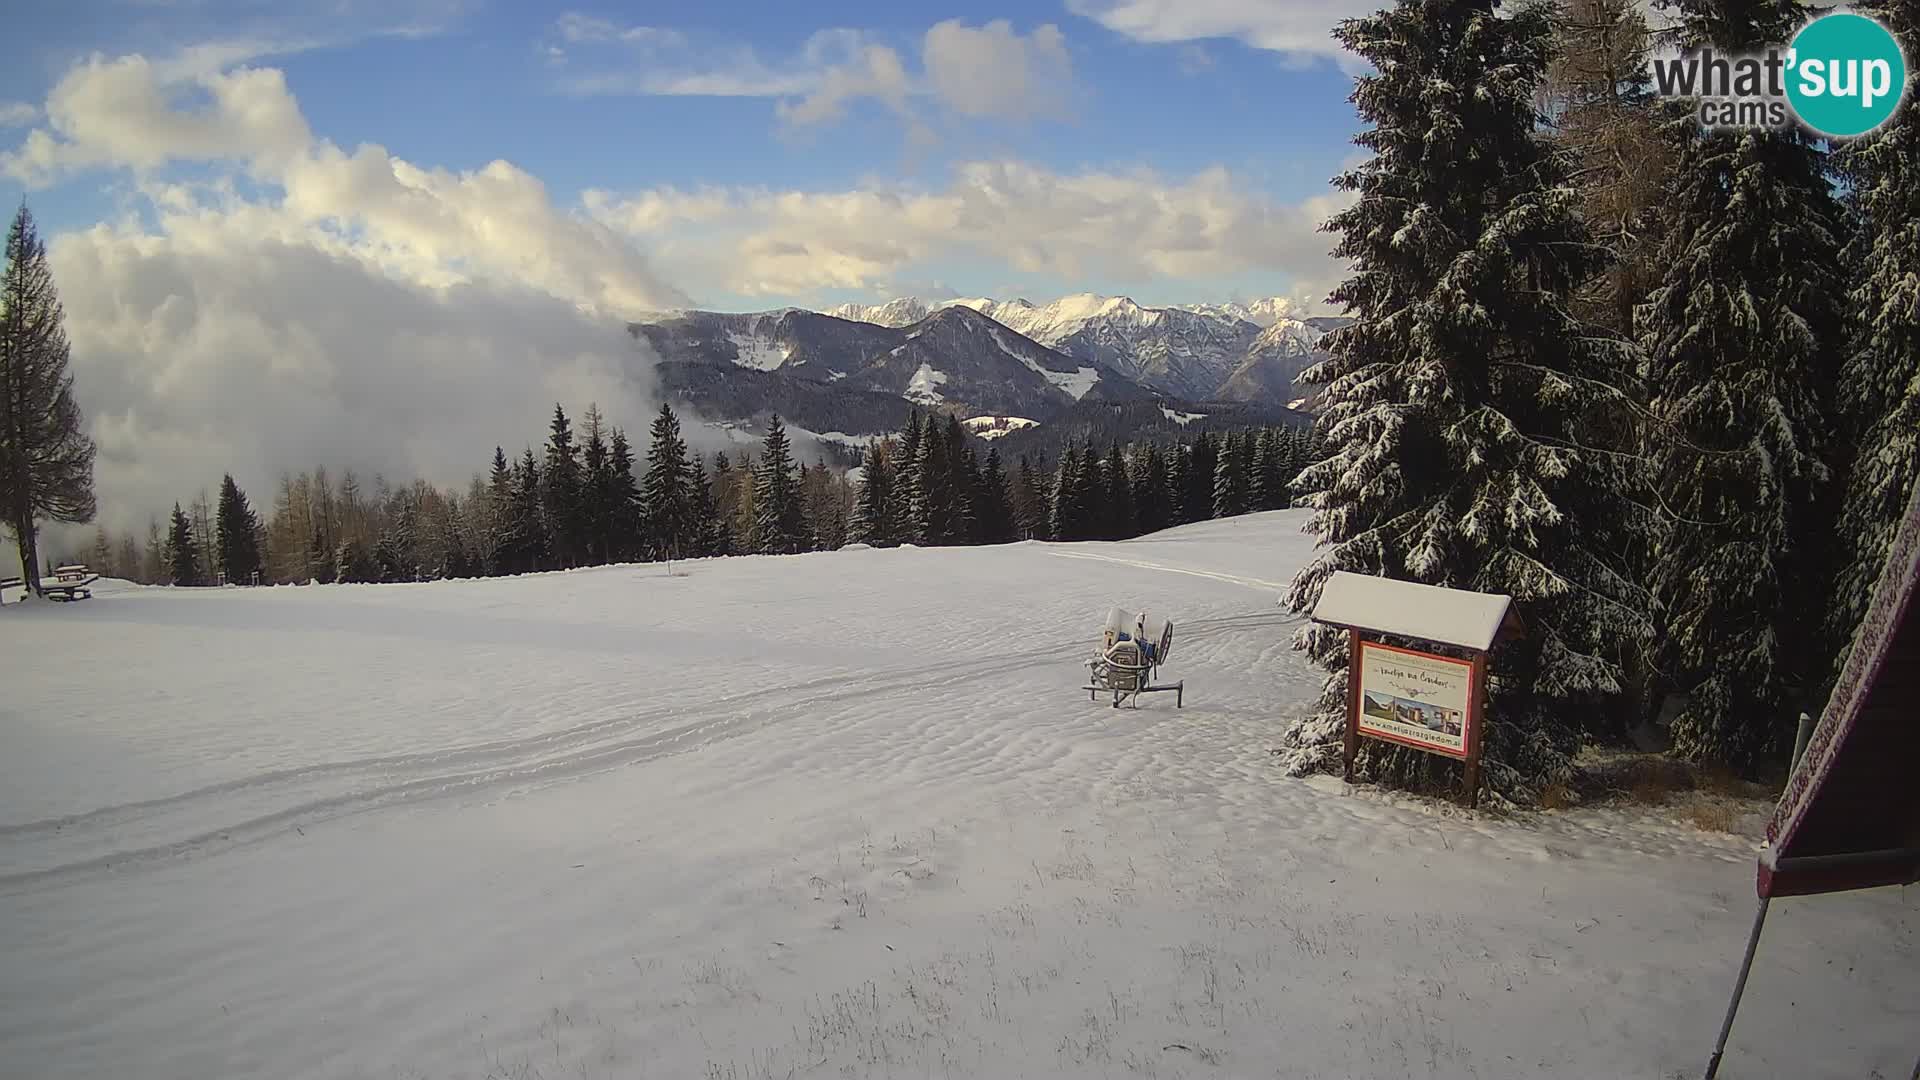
(458, 85)
(388, 237)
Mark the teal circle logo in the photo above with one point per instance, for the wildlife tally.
(1845, 74)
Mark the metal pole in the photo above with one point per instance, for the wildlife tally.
(1800, 738)
(1739, 987)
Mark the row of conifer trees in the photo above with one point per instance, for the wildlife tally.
(585, 500)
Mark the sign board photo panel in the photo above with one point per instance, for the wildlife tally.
(1416, 699)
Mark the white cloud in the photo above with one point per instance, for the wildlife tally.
(875, 72)
(205, 347)
(1298, 27)
(359, 310)
(15, 114)
(992, 71)
(424, 224)
(1136, 225)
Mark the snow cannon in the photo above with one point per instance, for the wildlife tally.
(1132, 647)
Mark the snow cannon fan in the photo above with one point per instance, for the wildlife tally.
(1132, 648)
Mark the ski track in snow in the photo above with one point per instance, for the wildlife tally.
(843, 814)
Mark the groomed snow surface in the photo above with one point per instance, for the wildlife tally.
(840, 814)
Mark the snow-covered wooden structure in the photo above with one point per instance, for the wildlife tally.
(1850, 815)
(1424, 700)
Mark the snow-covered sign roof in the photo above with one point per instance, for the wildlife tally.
(1470, 620)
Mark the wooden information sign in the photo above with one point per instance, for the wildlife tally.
(1411, 697)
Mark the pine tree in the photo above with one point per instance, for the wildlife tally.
(778, 528)
(906, 478)
(1743, 332)
(931, 523)
(127, 562)
(702, 522)
(995, 505)
(1179, 461)
(46, 458)
(1230, 485)
(503, 523)
(1461, 403)
(354, 564)
(968, 498)
(1880, 405)
(1092, 494)
(529, 517)
(561, 497)
(1203, 463)
(667, 490)
(1031, 509)
(962, 478)
(1152, 498)
(625, 517)
(1269, 486)
(726, 503)
(1066, 508)
(873, 521)
(321, 566)
(596, 491)
(153, 558)
(100, 557)
(200, 515)
(1121, 522)
(183, 565)
(239, 530)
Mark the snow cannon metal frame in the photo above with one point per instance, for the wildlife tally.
(1128, 658)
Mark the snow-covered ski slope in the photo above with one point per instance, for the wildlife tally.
(841, 814)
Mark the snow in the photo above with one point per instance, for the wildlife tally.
(1451, 616)
(923, 387)
(815, 816)
(1074, 383)
(757, 352)
(1181, 418)
(992, 427)
(842, 437)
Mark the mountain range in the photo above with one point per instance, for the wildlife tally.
(856, 370)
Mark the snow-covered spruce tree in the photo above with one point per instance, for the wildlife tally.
(873, 508)
(239, 529)
(561, 498)
(1179, 460)
(778, 528)
(529, 523)
(1032, 510)
(1203, 461)
(183, 564)
(1458, 402)
(666, 492)
(930, 517)
(623, 501)
(1743, 335)
(1121, 522)
(1880, 381)
(995, 506)
(1092, 478)
(1065, 510)
(596, 491)
(1152, 504)
(1230, 480)
(906, 477)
